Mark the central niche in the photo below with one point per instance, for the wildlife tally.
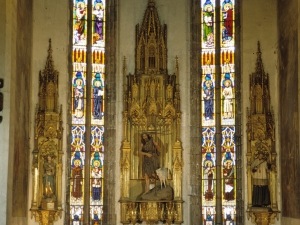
(151, 99)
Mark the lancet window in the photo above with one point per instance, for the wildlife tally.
(218, 122)
(87, 113)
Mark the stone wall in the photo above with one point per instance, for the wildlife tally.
(195, 212)
(111, 143)
(15, 127)
(288, 35)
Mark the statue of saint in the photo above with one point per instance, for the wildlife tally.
(150, 150)
(260, 191)
(49, 177)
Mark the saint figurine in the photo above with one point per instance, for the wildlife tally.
(49, 177)
(260, 191)
(149, 149)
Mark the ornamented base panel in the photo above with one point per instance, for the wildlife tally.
(151, 212)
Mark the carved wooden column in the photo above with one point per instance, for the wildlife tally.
(125, 168)
(177, 170)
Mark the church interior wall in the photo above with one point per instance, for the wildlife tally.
(23, 54)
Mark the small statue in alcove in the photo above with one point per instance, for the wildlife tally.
(150, 150)
(260, 190)
(49, 177)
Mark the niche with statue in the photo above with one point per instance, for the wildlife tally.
(151, 152)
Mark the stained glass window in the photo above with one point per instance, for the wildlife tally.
(88, 81)
(218, 111)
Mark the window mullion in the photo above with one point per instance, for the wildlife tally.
(88, 114)
(218, 118)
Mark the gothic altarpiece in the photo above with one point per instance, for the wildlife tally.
(46, 205)
(152, 105)
(261, 141)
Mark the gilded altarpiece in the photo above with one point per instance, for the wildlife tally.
(151, 99)
(46, 204)
(261, 152)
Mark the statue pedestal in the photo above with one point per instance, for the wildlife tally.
(152, 212)
(262, 215)
(46, 217)
(49, 204)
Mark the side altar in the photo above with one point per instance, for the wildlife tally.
(151, 114)
(261, 152)
(47, 165)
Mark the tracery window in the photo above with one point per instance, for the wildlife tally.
(88, 81)
(218, 112)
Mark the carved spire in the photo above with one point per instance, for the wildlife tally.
(48, 92)
(259, 87)
(260, 73)
(177, 69)
(49, 63)
(151, 38)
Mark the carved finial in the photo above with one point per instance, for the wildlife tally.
(259, 65)
(176, 69)
(151, 3)
(258, 50)
(50, 49)
(49, 63)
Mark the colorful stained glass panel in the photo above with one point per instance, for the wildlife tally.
(79, 22)
(227, 23)
(79, 99)
(208, 93)
(208, 23)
